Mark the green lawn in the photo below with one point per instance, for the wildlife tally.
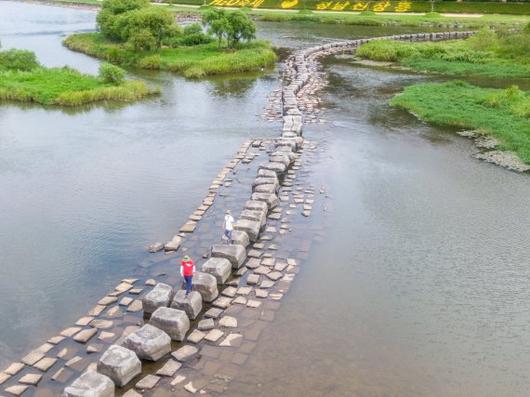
(65, 86)
(503, 114)
(193, 62)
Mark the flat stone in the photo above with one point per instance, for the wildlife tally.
(223, 302)
(266, 284)
(188, 227)
(107, 300)
(244, 290)
(132, 393)
(155, 247)
(55, 340)
(150, 282)
(114, 311)
(93, 348)
(229, 291)
(261, 293)
(206, 325)
(190, 388)
(85, 335)
(125, 301)
(149, 343)
(30, 379)
(253, 303)
(280, 266)
(254, 254)
(185, 353)
(274, 276)
(196, 336)
(90, 384)
(241, 300)
(32, 357)
(206, 285)
(135, 306)
(269, 262)
(148, 382)
(236, 254)
(69, 332)
(119, 364)
(84, 321)
(169, 368)
(136, 291)
(123, 287)
(178, 379)
(101, 324)
(271, 200)
(159, 296)
(228, 322)
(75, 363)
(214, 312)
(240, 237)
(174, 322)
(262, 270)
(253, 279)
(62, 375)
(231, 340)
(96, 311)
(214, 335)
(250, 227)
(14, 368)
(4, 377)
(191, 304)
(173, 244)
(220, 268)
(16, 390)
(45, 364)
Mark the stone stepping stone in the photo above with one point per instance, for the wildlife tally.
(135, 306)
(32, 357)
(291, 262)
(102, 324)
(214, 312)
(228, 322)
(85, 335)
(45, 364)
(206, 285)
(150, 282)
(96, 311)
(119, 364)
(129, 280)
(132, 393)
(91, 384)
(256, 205)
(280, 266)
(45, 348)
(16, 390)
(253, 303)
(189, 227)
(206, 325)
(244, 290)
(185, 353)
(4, 378)
(266, 284)
(262, 270)
(172, 321)
(173, 244)
(275, 276)
(192, 304)
(14, 368)
(261, 293)
(254, 254)
(253, 263)
(148, 382)
(235, 253)
(276, 296)
(223, 302)
(62, 375)
(190, 388)
(241, 300)
(196, 336)
(269, 262)
(55, 340)
(220, 268)
(232, 340)
(169, 368)
(178, 379)
(149, 343)
(105, 336)
(30, 379)
(107, 300)
(76, 363)
(214, 335)
(241, 238)
(229, 292)
(84, 321)
(93, 349)
(136, 291)
(125, 301)
(123, 287)
(69, 332)
(253, 279)
(159, 296)
(241, 271)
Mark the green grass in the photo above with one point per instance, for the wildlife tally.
(503, 114)
(193, 62)
(66, 87)
(484, 55)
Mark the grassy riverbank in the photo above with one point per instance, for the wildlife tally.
(193, 62)
(502, 114)
(22, 79)
(485, 54)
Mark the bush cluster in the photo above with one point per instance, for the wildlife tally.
(112, 74)
(233, 27)
(22, 60)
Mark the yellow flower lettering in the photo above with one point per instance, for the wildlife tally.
(340, 6)
(289, 3)
(324, 5)
(380, 7)
(257, 3)
(403, 6)
(360, 6)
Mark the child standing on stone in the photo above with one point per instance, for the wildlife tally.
(187, 268)
(229, 226)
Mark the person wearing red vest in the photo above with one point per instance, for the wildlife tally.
(187, 268)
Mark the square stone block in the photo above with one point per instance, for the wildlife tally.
(149, 343)
(220, 268)
(159, 296)
(119, 364)
(236, 254)
(174, 322)
(91, 384)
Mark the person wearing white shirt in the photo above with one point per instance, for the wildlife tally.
(229, 226)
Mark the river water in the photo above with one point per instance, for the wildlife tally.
(420, 286)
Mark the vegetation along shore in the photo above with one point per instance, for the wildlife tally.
(23, 79)
(142, 35)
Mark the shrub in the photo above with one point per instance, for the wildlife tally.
(110, 9)
(18, 60)
(386, 50)
(159, 22)
(484, 39)
(112, 74)
(142, 40)
(233, 26)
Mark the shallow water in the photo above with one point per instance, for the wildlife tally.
(420, 286)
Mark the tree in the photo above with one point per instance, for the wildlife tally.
(241, 28)
(217, 23)
(111, 9)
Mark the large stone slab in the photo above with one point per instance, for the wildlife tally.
(149, 343)
(266, 181)
(90, 384)
(174, 322)
(220, 268)
(254, 215)
(159, 296)
(119, 364)
(250, 227)
(174, 244)
(240, 237)
(271, 200)
(256, 205)
(279, 168)
(206, 285)
(191, 304)
(235, 253)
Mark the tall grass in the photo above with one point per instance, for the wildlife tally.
(193, 62)
(486, 54)
(503, 114)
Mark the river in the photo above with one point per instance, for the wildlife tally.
(419, 287)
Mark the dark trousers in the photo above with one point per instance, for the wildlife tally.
(188, 280)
